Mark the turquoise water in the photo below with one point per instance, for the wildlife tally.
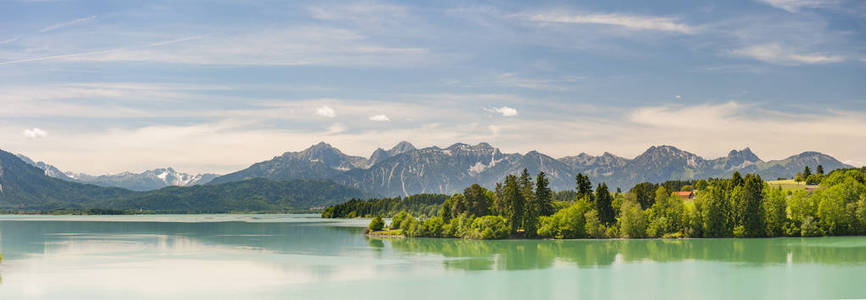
(304, 257)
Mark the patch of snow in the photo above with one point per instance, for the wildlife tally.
(477, 168)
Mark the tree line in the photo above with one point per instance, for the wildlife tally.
(739, 206)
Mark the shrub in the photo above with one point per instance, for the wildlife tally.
(397, 220)
(567, 223)
(376, 224)
(489, 228)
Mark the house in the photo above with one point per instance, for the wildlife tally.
(685, 195)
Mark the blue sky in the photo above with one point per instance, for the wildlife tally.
(213, 86)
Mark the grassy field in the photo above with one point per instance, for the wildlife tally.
(789, 184)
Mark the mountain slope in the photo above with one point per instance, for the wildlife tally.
(26, 187)
(23, 186)
(257, 194)
(405, 170)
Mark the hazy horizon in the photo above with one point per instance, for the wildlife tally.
(105, 87)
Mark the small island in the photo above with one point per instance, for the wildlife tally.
(811, 204)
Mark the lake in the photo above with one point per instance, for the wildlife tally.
(305, 257)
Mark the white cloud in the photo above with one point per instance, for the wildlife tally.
(326, 111)
(380, 118)
(67, 24)
(631, 22)
(505, 111)
(35, 133)
(777, 54)
(795, 5)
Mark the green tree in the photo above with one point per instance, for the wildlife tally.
(376, 224)
(754, 216)
(499, 200)
(488, 228)
(527, 192)
(584, 186)
(477, 202)
(736, 180)
(820, 169)
(513, 198)
(632, 221)
(603, 205)
(543, 194)
(593, 227)
(717, 212)
(567, 223)
(459, 205)
(807, 172)
(537, 205)
(644, 193)
(666, 216)
(777, 215)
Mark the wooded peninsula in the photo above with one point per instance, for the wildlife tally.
(520, 207)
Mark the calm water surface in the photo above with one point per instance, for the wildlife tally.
(304, 257)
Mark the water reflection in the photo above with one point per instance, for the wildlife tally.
(522, 255)
(307, 259)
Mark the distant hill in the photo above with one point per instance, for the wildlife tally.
(256, 194)
(23, 186)
(144, 181)
(406, 170)
(26, 187)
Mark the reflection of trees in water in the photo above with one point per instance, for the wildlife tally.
(519, 255)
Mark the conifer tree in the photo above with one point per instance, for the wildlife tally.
(584, 186)
(603, 204)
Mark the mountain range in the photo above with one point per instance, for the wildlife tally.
(322, 175)
(24, 186)
(144, 181)
(405, 169)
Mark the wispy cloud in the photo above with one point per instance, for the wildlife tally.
(796, 5)
(777, 54)
(631, 22)
(67, 24)
(559, 84)
(294, 46)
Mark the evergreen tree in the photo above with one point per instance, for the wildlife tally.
(514, 202)
(498, 201)
(584, 186)
(476, 200)
(807, 172)
(458, 205)
(736, 180)
(603, 204)
(754, 214)
(543, 194)
(717, 212)
(644, 194)
(820, 169)
(527, 193)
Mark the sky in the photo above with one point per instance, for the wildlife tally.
(214, 86)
